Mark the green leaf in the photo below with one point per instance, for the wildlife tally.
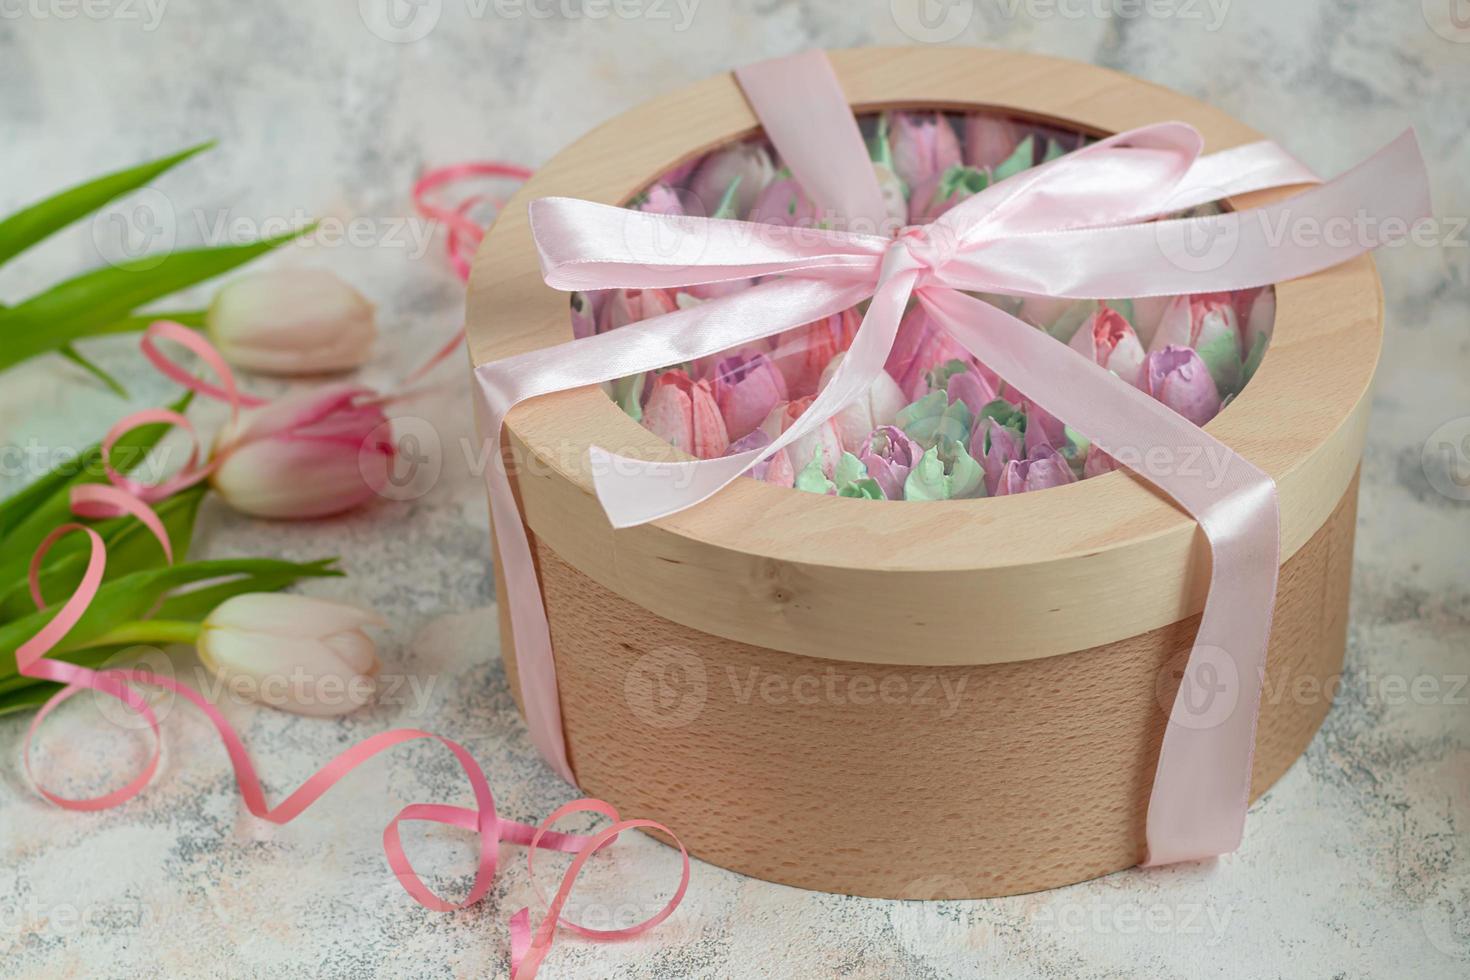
(29, 515)
(133, 596)
(138, 322)
(72, 354)
(1020, 159)
(848, 469)
(81, 306)
(726, 207)
(195, 604)
(39, 221)
(865, 489)
(811, 478)
(131, 547)
(1053, 150)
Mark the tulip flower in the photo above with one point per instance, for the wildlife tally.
(684, 413)
(621, 307)
(783, 202)
(998, 440)
(299, 654)
(315, 453)
(924, 145)
(945, 472)
(934, 418)
(661, 199)
(888, 455)
(776, 469)
(970, 386)
(879, 405)
(1109, 341)
(1043, 468)
(291, 321)
(824, 445)
(585, 307)
(746, 388)
(1097, 463)
(801, 355)
(935, 195)
(920, 347)
(1208, 323)
(1256, 334)
(989, 140)
(1178, 377)
(749, 163)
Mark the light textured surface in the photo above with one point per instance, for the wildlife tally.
(1356, 864)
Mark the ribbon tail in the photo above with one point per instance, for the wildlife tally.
(1202, 785)
(800, 102)
(684, 335)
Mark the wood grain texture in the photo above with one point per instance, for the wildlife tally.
(908, 781)
(1065, 570)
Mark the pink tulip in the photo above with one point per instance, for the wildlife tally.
(1178, 377)
(1043, 468)
(824, 445)
(1208, 323)
(683, 412)
(994, 446)
(877, 406)
(989, 139)
(924, 144)
(1097, 463)
(311, 454)
(920, 346)
(783, 202)
(661, 199)
(889, 455)
(585, 307)
(801, 355)
(1042, 427)
(746, 389)
(624, 306)
(777, 469)
(750, 162)
(292, 321)
(973, 388)
(933, 196)
(1109, 341)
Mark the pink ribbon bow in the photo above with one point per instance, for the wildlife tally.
(1082, 226)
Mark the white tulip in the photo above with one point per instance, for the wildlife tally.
(879, 405)
(292, 321)
(299, 654)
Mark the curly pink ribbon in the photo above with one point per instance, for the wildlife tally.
(125, 497)
(1082, 226)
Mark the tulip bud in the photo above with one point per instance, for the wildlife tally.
(291, 321)
(989, 140)
(1208, 323)
(299, 654)
(924, 144)
(661, 199)
(804, 353)
(683, 412)
(784, 203)
(746, 388)
(824, 444)
(1044, 468)
(1178, 377)
(311, 454)
(1109, 341)
(920, 347)
(889, 455)
(879, 405)
(624, 306)
(750, 163)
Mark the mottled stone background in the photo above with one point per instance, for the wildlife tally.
(1354, 865)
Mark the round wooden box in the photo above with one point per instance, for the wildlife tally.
(913, 700)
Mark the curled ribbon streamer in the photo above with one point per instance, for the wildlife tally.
(118, 498)
(1083, 226)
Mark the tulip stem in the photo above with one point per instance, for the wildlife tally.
(142, 631)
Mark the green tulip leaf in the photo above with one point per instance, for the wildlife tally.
(1020, 159)
(41, 220)
(75, 356)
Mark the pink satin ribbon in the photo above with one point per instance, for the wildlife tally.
(1081, 226)
(125, 497)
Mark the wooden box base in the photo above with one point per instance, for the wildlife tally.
(902, 781)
